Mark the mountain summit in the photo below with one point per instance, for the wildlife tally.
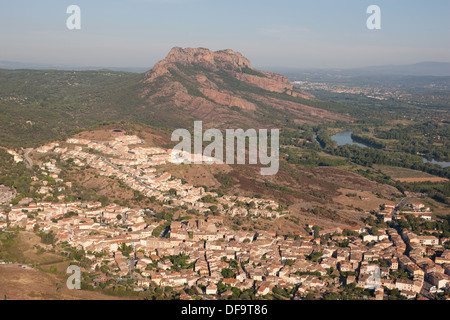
(222, 88)
(234, 63)
(226, 59)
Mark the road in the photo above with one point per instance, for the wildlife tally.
(28, 160)
(10, 265)
(401, 203)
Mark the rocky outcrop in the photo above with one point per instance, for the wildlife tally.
(203, 84)
(271, 82)
(204, 57)
(228, 99)
(224, 59)
(6, 194)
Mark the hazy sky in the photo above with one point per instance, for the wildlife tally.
(291, 33)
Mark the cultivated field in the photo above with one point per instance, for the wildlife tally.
(408, 175)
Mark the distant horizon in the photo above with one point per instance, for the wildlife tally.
(296, 34)
(62, 67)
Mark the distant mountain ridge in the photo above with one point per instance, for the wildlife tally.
(437, 69)
(14, 65)
(430, 68)
(441, 69)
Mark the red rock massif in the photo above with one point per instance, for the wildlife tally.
(224, 90)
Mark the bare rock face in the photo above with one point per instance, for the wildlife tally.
(228, 99)
(272, 82)
(209, 85)
(6, 194)
(208, 58)
(228, 60)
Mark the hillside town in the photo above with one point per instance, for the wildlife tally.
(121, 242)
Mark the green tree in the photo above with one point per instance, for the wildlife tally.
(374, 231)
(228, 273)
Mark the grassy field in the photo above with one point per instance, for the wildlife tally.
(22, 249)
(20, 284)
(408, 175)
(41, 282)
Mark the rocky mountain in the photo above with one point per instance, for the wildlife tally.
(222, 89)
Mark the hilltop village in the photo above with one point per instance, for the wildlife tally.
(204, 257)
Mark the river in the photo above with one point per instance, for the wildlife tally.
(345, 137)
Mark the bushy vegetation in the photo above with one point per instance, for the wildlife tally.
(429, 139)
(37, 106)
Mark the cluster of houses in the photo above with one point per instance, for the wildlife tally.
(264, 260)
(390, 211)
(17, 158)
(258, 259)
(125, 158)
